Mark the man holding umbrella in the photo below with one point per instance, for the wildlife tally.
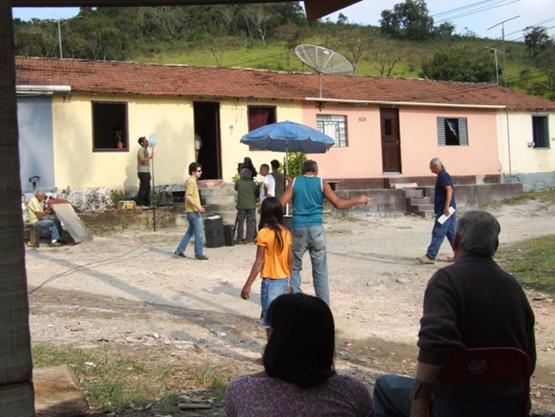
(307, 193)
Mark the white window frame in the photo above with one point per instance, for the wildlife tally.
(335, 126)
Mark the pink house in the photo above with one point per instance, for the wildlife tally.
(379, 142)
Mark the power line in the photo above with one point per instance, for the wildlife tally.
(500, 3)
(461, 8)
(535, 24)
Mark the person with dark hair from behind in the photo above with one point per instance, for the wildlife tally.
(299, 378)
(278, 177)
(274, 256)
(470, 304)
(246, 206)
(247, 163)
(193, 208)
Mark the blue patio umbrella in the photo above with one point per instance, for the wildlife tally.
(288, 137)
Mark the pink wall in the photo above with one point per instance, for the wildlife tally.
(362, 158)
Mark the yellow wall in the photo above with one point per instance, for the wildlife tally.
(77, 166)
(234, 124)
(523, 158)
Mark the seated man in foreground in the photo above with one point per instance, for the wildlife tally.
(472, 303)
(38, 214)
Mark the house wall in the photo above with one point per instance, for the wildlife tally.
(534, 167)
(419, 142)
(234, 124)
(78, 166)
(34, 119)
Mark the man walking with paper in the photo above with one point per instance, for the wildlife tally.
(444, 211)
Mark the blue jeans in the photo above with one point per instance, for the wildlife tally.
(391, 398)
(313, 239)
(270, 289)
(439, 232)
(195, 229)
(51, 225)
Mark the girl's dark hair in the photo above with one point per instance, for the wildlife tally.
(271, 215)
(247, 163)
(302, 340)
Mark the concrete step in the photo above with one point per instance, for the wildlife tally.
(414, 193)
(428, 214)
(208, 192)
(220, 199)
(398, 185)
(422, 207)
(419, 200)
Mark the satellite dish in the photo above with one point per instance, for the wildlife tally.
(324, 61)
(152, 139)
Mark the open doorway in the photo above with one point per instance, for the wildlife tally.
(207, 128)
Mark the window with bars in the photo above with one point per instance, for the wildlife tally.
(540, 132)
(452, 131)
(334, 126)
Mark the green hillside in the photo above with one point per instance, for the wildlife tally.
(264, 36)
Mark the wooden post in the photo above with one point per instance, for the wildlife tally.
(16, 388)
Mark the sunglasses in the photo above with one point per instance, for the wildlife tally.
(199, 170)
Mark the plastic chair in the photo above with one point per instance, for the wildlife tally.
(483, 365)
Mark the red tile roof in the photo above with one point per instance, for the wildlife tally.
(179, 80)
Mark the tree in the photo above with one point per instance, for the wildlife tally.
(536, 39)
(387, 57)
(445, 30)
(342, 19)
(356, 46)
(460, 64)
(17, 397)
(410, 19)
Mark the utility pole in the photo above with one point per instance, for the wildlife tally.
(504, 84)
(495, 51)
(502, 23)
(60, 39)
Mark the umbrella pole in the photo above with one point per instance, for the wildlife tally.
(286, 176)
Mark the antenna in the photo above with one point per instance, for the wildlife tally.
(324, 61)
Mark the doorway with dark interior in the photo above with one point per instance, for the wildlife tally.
(207, 139)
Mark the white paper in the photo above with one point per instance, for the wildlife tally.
(443, 218)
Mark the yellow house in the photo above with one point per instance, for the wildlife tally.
(86, 108)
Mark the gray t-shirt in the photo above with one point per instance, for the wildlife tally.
(143, 166)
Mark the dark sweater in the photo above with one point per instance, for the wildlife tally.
(474, 303)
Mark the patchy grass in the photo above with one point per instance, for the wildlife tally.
(532, 262)
(547, 196)
(131, 384)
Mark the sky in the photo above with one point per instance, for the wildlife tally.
(531, 12)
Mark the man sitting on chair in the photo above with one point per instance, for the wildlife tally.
(38, 215)
(470, 304)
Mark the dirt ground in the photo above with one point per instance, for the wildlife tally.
(128, 291)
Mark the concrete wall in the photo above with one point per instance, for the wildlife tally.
(362, 158)
(36, 153)
(78, 166)
(533, 167)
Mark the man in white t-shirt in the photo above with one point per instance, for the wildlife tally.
(268, 186)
